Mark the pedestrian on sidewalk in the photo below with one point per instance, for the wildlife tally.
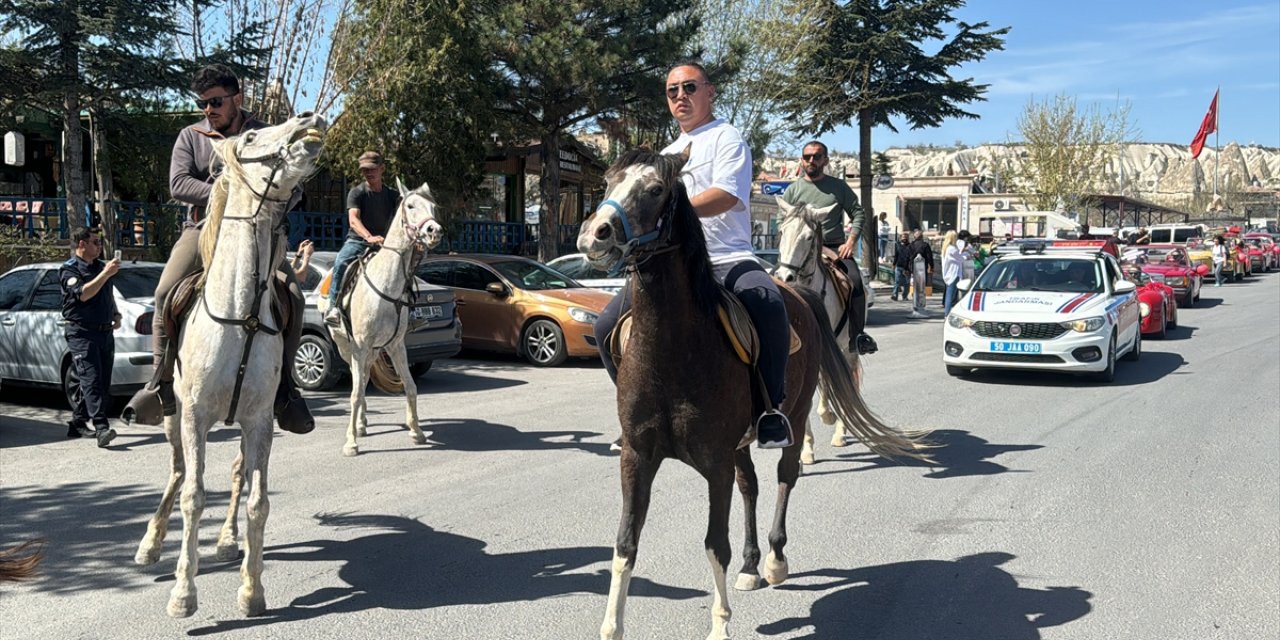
(89, 317)
(952, 269)
(901, 266)
(1220, 254)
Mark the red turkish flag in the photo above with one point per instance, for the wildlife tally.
(1207, 127)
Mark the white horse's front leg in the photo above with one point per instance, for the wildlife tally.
(158, 526)
(182, 599)
(400, 361)
(228, 537)
(257, 455)
(806, 451)
(359, 379)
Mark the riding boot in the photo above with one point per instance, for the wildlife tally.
(155, 401)
(290, 407)
(864, 345)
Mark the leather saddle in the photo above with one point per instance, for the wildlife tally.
(734, 322)
(186, 293)
(834, 267)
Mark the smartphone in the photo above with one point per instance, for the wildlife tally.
(117, 255)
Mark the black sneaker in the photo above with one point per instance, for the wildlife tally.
(773, 430)
(865, 344)
(105, 436)
(78, 431)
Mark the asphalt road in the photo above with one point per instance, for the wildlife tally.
(1058, 508)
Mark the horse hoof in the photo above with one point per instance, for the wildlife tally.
(147, 556)
(362, 432)
(775, 570)
(351, 451)
(252, 605)
(182, 607)
(419, 438)
(747, 582)
(839, 441)
(806, 457)
(227, 552)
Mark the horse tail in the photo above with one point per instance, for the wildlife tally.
(17, 565)
(837, 381)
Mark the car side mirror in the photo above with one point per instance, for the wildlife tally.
(1124, 286)
(1202, 269)
(496, 289)
(964, 284)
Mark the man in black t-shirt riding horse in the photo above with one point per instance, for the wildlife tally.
(371, 206)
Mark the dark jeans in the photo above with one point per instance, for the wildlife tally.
(764, 303)
(351, 249)
(92, 354)
(901, 280)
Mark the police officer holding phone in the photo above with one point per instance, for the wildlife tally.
(89, 311)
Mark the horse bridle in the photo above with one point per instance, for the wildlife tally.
(810, 259)
(409, 295)
(251, 323)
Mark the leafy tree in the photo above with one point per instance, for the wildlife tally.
(558, 63)
(1065, 151)
(419, 93)
(73, 55)
(866, 61)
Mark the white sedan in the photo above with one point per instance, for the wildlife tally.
(575, 266)
(1059, 311)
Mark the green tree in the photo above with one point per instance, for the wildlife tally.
(419, 92)
(866, 61)
(558, 63)
(1065, 151)
(91, 55)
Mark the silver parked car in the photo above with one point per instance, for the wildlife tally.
(33, 350)
(434, 330)
(575, 266)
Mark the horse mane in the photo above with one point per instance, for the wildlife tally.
(686, 227)
(217, 202)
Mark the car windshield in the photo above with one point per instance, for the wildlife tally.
(1042, 274)
(137, 282)
(1165, 256)
(532, 276)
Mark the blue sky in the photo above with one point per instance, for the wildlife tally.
(1164, 57)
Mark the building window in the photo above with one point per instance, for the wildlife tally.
(937, 214)
(492, 197)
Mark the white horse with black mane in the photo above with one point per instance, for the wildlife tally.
(229, 350)
(377, 306)
(800, 263)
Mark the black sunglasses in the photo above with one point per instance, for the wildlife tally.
(810, 157)
(216, 103)
(690, 87)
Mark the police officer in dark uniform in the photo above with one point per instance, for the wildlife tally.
(89, 308)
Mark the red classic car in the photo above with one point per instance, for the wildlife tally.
(1169, 264)
(1157, 303)
(1263, 252)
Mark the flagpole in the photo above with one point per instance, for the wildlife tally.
(1217, 146)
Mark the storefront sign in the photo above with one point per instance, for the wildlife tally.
(569, 161)
(15, 149)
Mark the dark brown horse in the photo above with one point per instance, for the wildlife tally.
(682, 391)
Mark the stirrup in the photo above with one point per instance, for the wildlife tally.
(150, 405)
(771, 434)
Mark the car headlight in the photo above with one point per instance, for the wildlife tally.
(1144, 309)
(1085, 325)
(582, 315)
(1179, 282)
(958, 321)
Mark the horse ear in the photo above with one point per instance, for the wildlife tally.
(819, 214)
(787, 208)
(400, 185)
(425, 188)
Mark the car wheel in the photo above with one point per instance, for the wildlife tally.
(542, 342)
(1164, 328)
(1135, 352)
(71, 386)
(315, 366)
(1187, 300)
(1108, 374)
(958, 372)
(420, 368)
(1172, 318)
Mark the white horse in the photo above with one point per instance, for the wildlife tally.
(229, 351)
(379, 305)
(800, 263)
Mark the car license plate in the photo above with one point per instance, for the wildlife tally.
(429, 312)
(1015, 347)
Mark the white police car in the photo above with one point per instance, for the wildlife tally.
(1055, 306)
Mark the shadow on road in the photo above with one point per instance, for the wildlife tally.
(957, 454)
(1180, 332)
(403, 564)
(1153, 366)
(970, 598)
(30, 431)
(465, 434)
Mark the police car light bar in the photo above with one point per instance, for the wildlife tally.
(1041, 246)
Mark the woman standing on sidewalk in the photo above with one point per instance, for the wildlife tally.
(1220, 254)
(952, 267)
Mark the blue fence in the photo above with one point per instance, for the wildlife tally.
(143, 224)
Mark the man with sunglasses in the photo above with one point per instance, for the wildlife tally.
(717, 176)
(819, 190)
(191, 175)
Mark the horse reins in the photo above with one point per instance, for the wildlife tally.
(409, 295)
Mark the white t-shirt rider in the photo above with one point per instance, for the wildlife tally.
(720, 158)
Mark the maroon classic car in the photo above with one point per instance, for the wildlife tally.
(1262, 254)
(1168, 264)
(1157, 303)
